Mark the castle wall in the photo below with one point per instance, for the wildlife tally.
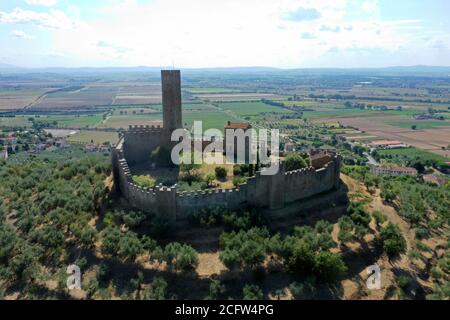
(140, 141)
(259, 191)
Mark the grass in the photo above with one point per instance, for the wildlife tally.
(420, 124)
(251, 108)
(14, 122)
(98, 137)
(82, 121)
(212, 90)
(210, 119)
(414, 153)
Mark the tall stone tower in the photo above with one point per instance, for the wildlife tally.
(171, 100)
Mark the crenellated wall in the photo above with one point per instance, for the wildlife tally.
(140, 141)
(259, 191)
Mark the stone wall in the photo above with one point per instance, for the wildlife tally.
(140, 141)
(259, 191)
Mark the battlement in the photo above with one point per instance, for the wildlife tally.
(147, 129)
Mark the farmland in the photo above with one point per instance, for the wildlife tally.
(381, 106)
(98, 137)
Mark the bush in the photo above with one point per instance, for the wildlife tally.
(221, 173)
(394, 242)
(237, 180)
(157, 290)
(252, 292)
(181, 256)
(329, 266)
(294, 161)
(144, 181)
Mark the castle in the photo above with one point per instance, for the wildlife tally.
(259, 191)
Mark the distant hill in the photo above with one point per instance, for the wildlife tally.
(387, 71)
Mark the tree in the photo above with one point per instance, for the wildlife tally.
(130, 246)
(293, 161)
(252, 292)
(221, 173)
(111, 241)
(157, 290)
(230, 258)
(190, 172)
(252, 253)
(302, 259)
(329, 266)
(414, 127)
(181, 256)
(394, 242)
(216, 290)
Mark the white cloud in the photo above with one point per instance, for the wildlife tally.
(45, 3)
(207, 33)
(54, 19)
(21, 35)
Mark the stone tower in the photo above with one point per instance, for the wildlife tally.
(171, 100)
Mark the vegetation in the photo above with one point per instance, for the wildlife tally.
(394, 242)
(294, 161)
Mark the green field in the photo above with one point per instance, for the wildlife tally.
(251, 108)
(211, 119)
(73, 121)
(420, 124)
(98, 137)
(211, 90)
(14, 122)
(413, 153)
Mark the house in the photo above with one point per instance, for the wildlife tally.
(434, 179)
(90, 147)
(388, 144)
(319, 158)
(392, 170)
(61, 143)
(289, 147)
(104, 148)
(8, 140)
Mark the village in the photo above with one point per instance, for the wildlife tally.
(35, 141)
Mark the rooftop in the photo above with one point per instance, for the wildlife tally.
(238, 125)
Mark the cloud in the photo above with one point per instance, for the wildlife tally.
(330, 28)
(308, 35)
(54, 19)
(117, 49)
(45, 3)
(303, 14)
(21, 35)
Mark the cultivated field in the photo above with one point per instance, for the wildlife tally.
(87, 136)
(433, 139)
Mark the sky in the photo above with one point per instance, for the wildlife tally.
(224, 33)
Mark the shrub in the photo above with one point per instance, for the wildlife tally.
(329, 266)
(252, 292)
(221, 173)
(293, 161)
(394, 242)
(144, 181)
(157, 290)
(237, 180)
(181, 256)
